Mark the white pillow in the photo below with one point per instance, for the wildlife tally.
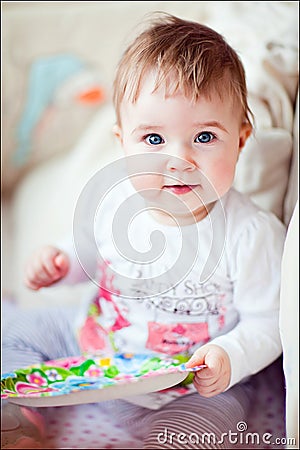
(262, 171)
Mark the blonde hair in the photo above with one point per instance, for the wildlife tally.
(196, 56)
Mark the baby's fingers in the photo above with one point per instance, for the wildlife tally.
(36, 277)
(49, 266)
(42, 270)
(30, 281)
(204, 381)
(54, 262)
(61, 263)
(208, 388)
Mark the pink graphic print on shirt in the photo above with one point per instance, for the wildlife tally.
(105, 293)
(92, 335)
(177, 337)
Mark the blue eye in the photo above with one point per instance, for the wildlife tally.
(154, 139)
(204, 138)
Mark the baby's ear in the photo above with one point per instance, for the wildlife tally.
(245, 132)
(118, 132)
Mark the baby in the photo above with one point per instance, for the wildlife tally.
(182, 119)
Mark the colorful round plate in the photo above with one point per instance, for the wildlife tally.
(81, 379)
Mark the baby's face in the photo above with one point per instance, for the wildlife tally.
(197, 146)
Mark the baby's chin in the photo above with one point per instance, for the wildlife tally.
(178, 218)
(171, 207)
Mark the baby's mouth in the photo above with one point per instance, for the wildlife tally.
(180, 189)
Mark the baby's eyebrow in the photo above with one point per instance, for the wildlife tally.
(212, 124)
(146, 128)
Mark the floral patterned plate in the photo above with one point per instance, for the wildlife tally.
(83, 379)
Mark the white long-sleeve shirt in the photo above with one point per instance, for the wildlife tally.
(171, 289)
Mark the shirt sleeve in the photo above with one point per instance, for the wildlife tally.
(82, 257)
(255, 269)
(80, 245)
(76, 273)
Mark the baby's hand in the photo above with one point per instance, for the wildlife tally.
(45, 267)
(215, 378)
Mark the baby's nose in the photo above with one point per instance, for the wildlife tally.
(178, 164)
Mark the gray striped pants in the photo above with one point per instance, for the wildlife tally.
(189, 422)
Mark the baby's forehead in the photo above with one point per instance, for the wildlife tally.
(153, 88)
(165, 87)
(176, 112)
(149, 94)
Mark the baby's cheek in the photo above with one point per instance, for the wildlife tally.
(223, 176)
(144, 181)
